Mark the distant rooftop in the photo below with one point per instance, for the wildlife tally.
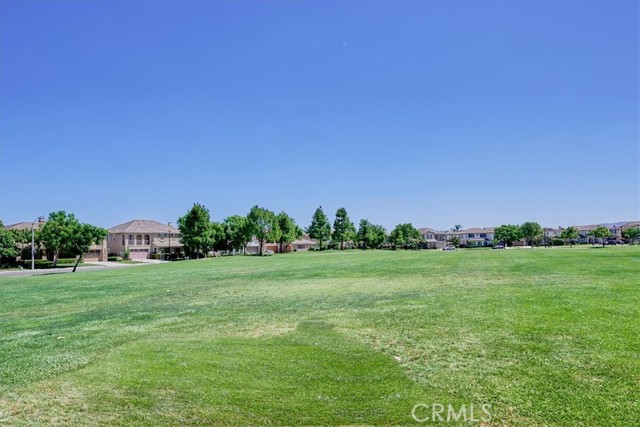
(143, 226)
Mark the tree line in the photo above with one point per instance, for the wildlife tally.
(200, 235)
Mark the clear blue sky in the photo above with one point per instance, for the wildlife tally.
(437, 113)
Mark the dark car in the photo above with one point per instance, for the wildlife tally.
(612, 242)
(498, 247)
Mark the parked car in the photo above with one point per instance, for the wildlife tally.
(612, 242)
(449, 248)
(498, 247)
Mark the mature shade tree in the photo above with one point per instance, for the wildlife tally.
(455, 241)
(343, 228)
(320, 229)
(405, 235)
(8, 245)
(81, 237)
(55, 234)
(289, 231)
(532, 232)
(631, 234)
(507, 233)
(237, 231)
(370, 235)
(601, 232)
(218, 236)
(195, 230)
(570, 234)
(264, 226)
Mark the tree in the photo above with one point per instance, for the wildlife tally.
(8, 245)
(56, 233)
(507, 234)
(195, 230)
(81, 237)
(456, 227)
(455, 241)
(289, 231)
(405, 235)
(343, 228)
(264, 225)
(370, 235)
(631, 234)
(532, 232)
(570, 234)
(237, 231)
(602, 233)
(219, 240)
(319, 228)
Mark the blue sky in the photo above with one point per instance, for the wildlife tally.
(436, 113)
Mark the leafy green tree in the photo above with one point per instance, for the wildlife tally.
(532, 232)
(55, 234)
(219, 237)
(370, 235)
(343, 228)
(601, 232)
(289, 230)
(320, 229)
(8, 245)
(631, 234)
(237, 232)
(455, 241)
(196, 231)
(405, 235)
(507, 234)
(264, 226)
(570, 234)
(456, 227)
(81, 237)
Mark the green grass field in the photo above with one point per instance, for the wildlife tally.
(547, 337)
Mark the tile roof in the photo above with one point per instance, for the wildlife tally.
(143, 226)
(23, 226)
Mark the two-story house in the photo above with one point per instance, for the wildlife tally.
(143, 237)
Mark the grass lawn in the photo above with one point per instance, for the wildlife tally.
(547, 337)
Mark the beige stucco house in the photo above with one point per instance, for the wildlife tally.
(144, 237)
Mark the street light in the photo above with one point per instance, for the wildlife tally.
(169, 224)
(33, 245)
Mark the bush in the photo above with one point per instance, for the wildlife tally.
(68, 260)
(154, 255)
(557, 242)
(114, 258)
(126, 254)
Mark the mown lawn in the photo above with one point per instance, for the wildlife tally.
(547, 337)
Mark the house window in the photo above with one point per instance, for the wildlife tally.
(470, 235)
(146, 239)
(131, 241)
(483, 234)
(138, 239)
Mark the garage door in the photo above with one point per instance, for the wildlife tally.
(139, 254)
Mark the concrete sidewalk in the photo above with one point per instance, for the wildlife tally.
(97, 265)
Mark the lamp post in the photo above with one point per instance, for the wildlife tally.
(169, 224)
(33, 245)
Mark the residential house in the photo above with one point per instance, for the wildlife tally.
(144, 237)
(476, 236)
(299, 245)
(615, 229)
(430, 237)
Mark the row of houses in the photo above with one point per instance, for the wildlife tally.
(144, 238)
(485, 236)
